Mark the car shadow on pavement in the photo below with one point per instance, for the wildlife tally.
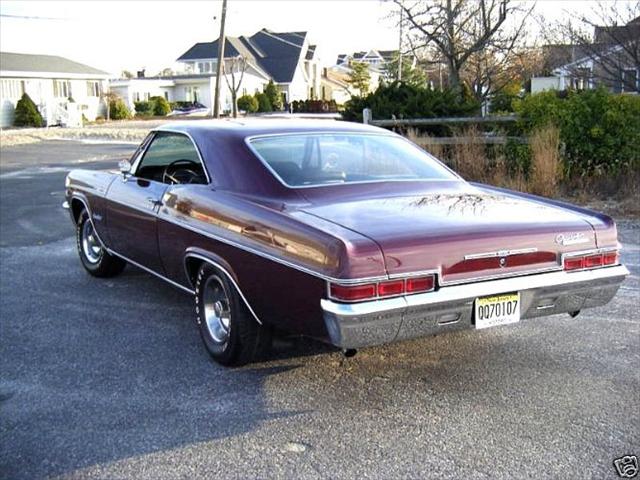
(109, 370)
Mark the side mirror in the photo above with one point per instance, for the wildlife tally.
(125, 167)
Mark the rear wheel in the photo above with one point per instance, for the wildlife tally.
(229, 332)
(95, 259)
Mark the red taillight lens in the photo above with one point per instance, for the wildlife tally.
(610, 258)
(573, 263)
(593, 261)
(420, 284)
(394, 287)
(352, 293)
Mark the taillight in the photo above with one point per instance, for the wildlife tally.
(420, 284)
(610, 258)
(387, 288)
(590, 260)
(574, 263)
(352, 293)
(394, 287)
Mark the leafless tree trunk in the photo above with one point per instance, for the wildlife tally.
(457, 33)
(237, 65)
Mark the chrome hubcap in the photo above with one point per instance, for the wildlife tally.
(217, 313)
(90, 244)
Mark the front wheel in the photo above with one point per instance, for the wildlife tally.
(94, 257)
(229, 332)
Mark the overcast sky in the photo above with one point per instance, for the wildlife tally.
(132, 35)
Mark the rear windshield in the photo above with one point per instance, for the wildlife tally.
(302, 160)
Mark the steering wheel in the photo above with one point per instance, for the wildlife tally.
(181, 172)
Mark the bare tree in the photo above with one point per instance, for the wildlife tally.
(601, 44)
(236, 66)
(469, 37)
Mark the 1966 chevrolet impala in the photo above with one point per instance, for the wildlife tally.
(342, 232)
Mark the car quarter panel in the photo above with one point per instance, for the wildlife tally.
(280, 263)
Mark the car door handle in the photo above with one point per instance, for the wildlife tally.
(154, 201)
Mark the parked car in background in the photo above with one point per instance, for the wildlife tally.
(343, 232)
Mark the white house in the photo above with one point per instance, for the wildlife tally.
(286, 58)
(51, 82)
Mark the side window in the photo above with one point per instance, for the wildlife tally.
(171, 158)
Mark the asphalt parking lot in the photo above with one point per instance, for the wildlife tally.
(108, 379)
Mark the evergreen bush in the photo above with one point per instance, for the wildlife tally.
(27, 114)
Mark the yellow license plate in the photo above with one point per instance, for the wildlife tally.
(497, 310)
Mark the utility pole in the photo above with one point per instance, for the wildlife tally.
(216, 102)
(400, 47)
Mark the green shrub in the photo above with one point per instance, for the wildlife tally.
(264, 105)
(274, 96)
(599, 131)
(314, 106)
(118, 110)
(161, 107)
(248, 103)
(27, 114)
(409, 101)
(143, 108)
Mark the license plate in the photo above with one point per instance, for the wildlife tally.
(497, 310)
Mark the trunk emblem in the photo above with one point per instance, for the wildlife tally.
(503, 262)
(573, 238)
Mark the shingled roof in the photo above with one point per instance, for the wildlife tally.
(277, 54)
(22, 62)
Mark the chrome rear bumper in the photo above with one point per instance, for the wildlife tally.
(450, 308)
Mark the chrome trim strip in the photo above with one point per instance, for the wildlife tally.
(468, 293)
(247, 141)
(500, 253)
(153, 272)
(591, 251)
(223, 270)
(419, 273)
(523, 273)
(186, 134)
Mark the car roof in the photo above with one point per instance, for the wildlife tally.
(233, 166)
(261, 126)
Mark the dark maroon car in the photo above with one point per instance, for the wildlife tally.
(342, 232)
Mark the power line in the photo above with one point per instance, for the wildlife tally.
(28, 17)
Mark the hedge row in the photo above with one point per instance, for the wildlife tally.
(599, 131)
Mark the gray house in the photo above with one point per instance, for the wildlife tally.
(51, 82)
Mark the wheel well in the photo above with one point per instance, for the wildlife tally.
(76, 208)
(192, 265)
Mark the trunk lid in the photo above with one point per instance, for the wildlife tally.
(457, 229)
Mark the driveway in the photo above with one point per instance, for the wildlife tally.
(108, 379)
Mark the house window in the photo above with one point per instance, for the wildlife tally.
(166, 96)
(204, 67)
(630, 80)
(147, 95)
(12, 89)
(136, 96)
(61, 88)
(192, 94)
(93, 89)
